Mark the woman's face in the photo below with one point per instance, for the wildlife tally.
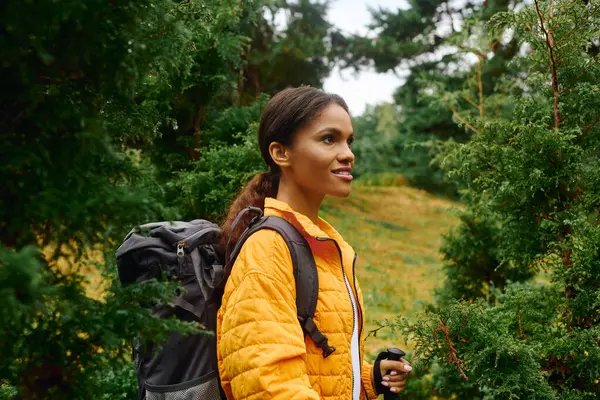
(320, 160)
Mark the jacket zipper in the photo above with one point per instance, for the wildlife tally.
(351, 303)
(362, 319)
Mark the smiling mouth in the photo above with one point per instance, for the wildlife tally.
(344, 175)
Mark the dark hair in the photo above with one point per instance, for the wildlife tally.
(289, 110)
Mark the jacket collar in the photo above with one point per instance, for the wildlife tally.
(322, 230)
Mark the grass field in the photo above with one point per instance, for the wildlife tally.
(397, 232)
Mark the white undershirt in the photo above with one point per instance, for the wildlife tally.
(354, 347)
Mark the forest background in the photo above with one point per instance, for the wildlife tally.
(115, 113)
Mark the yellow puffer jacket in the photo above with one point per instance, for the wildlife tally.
(261, 348)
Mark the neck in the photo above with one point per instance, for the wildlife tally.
(300, 201)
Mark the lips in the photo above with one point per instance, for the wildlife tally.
(347, 170)
(344, 173)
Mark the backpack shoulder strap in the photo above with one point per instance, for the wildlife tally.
(305, 274)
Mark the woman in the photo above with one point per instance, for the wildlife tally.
(305, 138)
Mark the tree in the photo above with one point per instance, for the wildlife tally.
(429, 42)
(298, 53)
(243, 54)
(83, 84)
(536, 174)
(193, 95)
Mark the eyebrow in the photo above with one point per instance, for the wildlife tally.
(333, 130)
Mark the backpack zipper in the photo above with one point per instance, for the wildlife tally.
(322, 239)
(180, 252)
(190, 241)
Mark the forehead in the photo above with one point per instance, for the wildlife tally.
(332, 116)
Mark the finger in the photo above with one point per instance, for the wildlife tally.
(399, 388)
(398, 384)
(392, 385)
(394, 373)
(395, 378)
(398, 366)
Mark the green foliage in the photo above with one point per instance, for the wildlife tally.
(473, 261)
(531, 186)
(84, 84)
(500, 348)
(200, 87)
(86, 335)
(206, 188)
(372, 144)
(300, 51)
(382, 152)
(228, 124)
(439, 380)
(117, 382)
(210, 186)
(54, 140)
(238, 51)
(436, 45)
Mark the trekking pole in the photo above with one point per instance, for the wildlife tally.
(394, 354)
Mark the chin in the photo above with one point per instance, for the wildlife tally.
(343, 193)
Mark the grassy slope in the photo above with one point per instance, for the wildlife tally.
(396, 232)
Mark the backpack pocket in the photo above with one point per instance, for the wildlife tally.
(205, 387)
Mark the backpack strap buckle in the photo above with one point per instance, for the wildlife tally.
(315, 334)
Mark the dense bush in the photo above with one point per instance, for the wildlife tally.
(81, 85)
(531, 187)
(209, 187)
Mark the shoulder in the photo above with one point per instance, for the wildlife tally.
(265, 252)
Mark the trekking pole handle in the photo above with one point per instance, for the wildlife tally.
(394, 354)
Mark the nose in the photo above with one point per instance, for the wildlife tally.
(346, 156)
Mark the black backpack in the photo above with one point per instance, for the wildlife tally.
(185, 367)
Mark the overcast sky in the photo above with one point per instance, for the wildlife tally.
(368, 87)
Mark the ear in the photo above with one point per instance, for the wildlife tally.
(280, 154)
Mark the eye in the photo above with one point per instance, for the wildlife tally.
(328, 139)
(350, 141)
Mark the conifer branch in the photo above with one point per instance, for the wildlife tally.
(471, 102)
(461, 119)
(480, 57)
(553, 64)
(521, 331)
(589, 127)
(596, 59)
(573, 31)
(452, 358)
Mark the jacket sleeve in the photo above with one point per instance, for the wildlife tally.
(367, 370)
(261, 343)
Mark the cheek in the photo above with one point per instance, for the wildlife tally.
(315, 162)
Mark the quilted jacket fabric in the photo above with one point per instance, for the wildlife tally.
(261, 348)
